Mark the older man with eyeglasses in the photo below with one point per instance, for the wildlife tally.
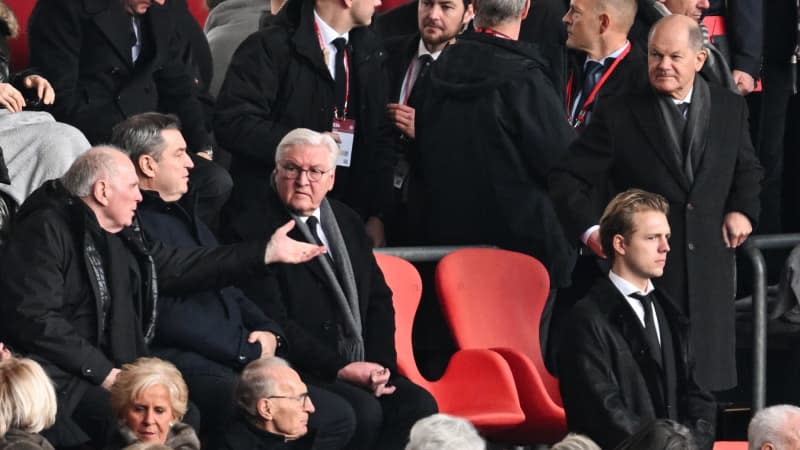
(336, 309)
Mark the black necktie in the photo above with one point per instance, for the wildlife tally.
(650, 333)
(312, 224)
(424, 62)
(340, 76)
(683, 108)
(590, 77)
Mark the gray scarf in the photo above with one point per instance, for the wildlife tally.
(351, 343)
(687, 136)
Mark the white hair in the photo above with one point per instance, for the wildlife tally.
(443, 432)
(575, 441)
(769, 426)
(304, 136)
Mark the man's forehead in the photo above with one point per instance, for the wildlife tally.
(306, 151)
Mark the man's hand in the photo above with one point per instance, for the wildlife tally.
(205, 154)
(110, 379)
(402, 116)
(44, 90)
(595, 245)
(5, 353)
(744, 82)
(10, 98)
(282, 248)
(735, 229)
(376, 232)
(267, 340)
(368, 375)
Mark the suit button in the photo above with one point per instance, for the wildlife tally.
(691, 246)
(242, 358)
(327, 325)
(690, 206)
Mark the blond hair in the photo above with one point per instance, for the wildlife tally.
(27, 397)
(143, 374)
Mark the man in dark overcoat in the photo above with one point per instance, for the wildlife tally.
(625, 358)
(702, 162)
(292, 74)
(336, 310)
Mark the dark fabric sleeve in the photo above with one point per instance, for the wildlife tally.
(574, 181)
(745, 26)
(379, 327)
(34, 289)
(186, 323)
(56, 32)
(384, 148)
(244, 119)
(589, 388)
(701, 415)
(306, 351)
(183, 271)
(744, 194)
(177, 94)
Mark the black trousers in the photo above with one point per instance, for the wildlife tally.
(384, 422)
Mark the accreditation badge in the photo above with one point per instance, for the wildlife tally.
(346, 129)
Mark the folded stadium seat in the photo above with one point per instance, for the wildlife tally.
(493, 299)
(19, 45)
(477, 384)
(730, 445)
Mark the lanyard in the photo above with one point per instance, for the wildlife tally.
(492, 32)
(411, 80)
(325, 53)
(587, 103)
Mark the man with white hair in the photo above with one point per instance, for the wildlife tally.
(80, 287)
(336, 310)
(444, 432)
(775, 428)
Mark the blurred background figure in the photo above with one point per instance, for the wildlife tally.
(150, 398)
(444, 432)
(27, 403)
(575, 441)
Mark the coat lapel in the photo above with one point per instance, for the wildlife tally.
(645, 112)
(116, 25)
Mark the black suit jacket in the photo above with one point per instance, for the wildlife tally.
(624, 147)
(301, 299)
(610, 383)
(84, 48)
(401, 51)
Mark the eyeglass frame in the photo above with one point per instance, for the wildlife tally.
(302, 398)
(293, 172)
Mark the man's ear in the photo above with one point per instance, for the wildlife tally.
(347, 3)
(469, 13)
(263, 408)
(525, 9)
(618, 242)
(100, 192)
(147, 166)
(605, 22)
(701, 58)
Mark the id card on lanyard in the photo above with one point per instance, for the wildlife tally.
(589, 97)
(342, 126)
(346, 129)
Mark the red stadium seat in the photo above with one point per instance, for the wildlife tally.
(477, 385)
(493, 299)
(199, 11)
(730, 445)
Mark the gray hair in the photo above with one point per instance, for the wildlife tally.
(304, 136)
(256, 383)
(94, 164)
(769, 426)
(444, 432)
(575, 441)
(27, 396)
(692, 27)
(141, 134)
(490, 13)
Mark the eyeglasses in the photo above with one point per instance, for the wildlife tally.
(302, 398)
(293, 172)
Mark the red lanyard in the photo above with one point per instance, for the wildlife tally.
(492, 32)
(587, 103)
(323, 47)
